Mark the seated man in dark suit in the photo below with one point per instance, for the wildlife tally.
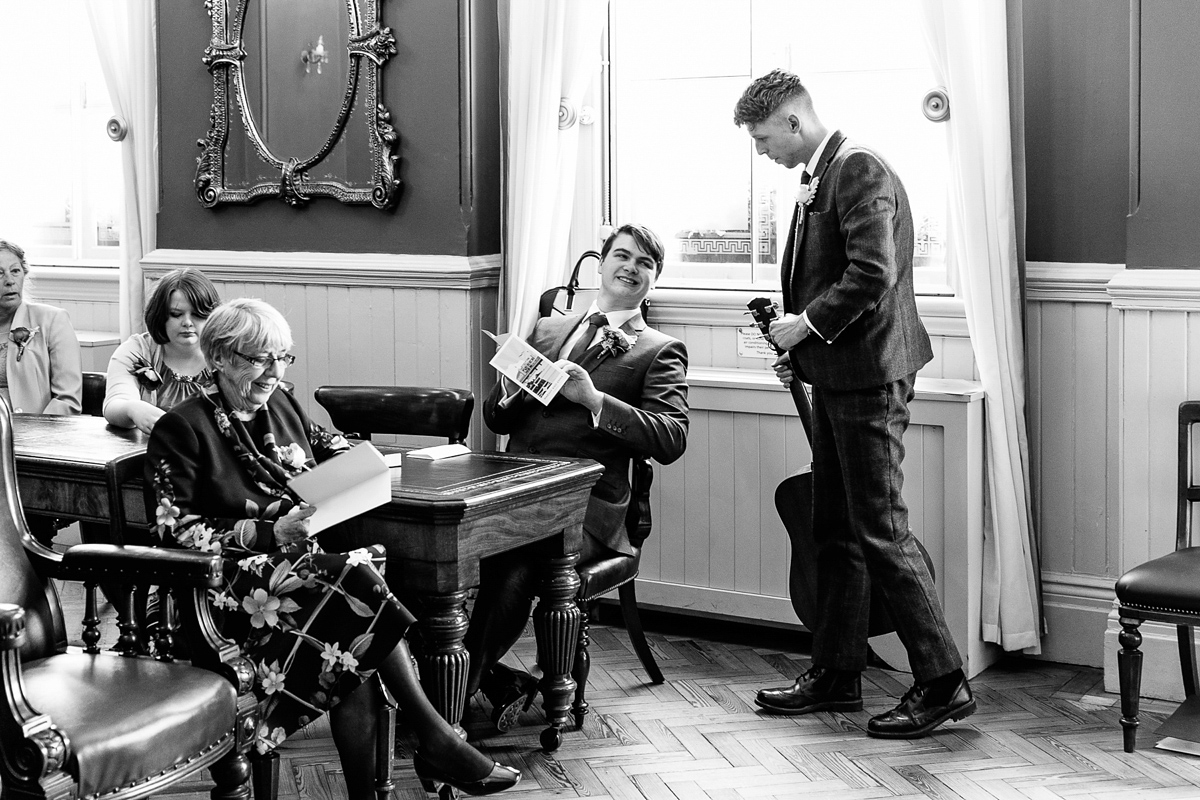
(625, 397)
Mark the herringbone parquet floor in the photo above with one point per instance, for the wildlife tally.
(1043, 730)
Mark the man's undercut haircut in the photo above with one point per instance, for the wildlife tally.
(765, 95)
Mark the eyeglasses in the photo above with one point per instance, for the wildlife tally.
(265, 362)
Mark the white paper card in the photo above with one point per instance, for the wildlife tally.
(394, 460)
(438, 452)
(516, 360)
(344, 486)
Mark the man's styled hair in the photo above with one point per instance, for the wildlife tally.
(765, 95)
(646, 239)
(192, 284)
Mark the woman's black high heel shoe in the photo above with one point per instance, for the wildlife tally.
(435, 781)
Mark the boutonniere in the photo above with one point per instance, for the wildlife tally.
(145, 373)
(614, 341)
(806, 192)
(292, 456)
(21, 337)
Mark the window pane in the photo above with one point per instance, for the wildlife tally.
(680, 165)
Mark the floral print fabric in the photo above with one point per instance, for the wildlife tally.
(314, 624)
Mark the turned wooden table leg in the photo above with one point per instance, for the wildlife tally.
(443, 661)
(556, 625)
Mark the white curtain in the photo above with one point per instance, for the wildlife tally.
(125, 39)
(969, 47)
(550, 53)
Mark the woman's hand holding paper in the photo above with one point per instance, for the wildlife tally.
(293, 526)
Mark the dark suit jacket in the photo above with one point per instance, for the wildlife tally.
(853, 274)
(645, 414)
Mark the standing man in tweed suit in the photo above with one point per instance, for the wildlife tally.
(625, 397)
(851, 329)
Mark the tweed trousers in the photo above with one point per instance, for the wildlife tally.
(864, 543)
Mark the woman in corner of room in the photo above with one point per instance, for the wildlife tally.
(150, 372)
(315, 625)
(43, 373)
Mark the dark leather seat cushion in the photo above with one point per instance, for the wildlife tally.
(1167, 584)
(129, 718)
(602, 576)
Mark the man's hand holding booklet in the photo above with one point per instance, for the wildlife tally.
(516, 360)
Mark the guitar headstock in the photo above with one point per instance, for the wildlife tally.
(763, 312)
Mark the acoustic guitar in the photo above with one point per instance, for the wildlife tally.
(794, 502)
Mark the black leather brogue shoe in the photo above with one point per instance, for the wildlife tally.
(921, 710)
(819, 689)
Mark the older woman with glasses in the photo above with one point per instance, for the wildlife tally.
(42, 372)
(314, 624)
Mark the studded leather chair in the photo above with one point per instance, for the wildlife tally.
(360, 411)
(90, 724)
(1166, 589)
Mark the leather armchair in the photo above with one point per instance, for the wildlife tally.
(86, 723)
(360, 411)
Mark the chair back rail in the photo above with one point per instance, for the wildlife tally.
(95, 384)
(361, 411)
(1189, 490)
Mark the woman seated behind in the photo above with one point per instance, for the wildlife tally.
(152, 371)
(314, 624)
(43, 373)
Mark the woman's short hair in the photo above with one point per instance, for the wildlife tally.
(16, 251)
(244, 325)
(192, 284)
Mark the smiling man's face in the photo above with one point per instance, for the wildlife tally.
(627, 275)
(13, 282)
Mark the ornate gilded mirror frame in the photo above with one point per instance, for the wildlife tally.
(369, 47)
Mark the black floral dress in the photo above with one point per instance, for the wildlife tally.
(315, 624)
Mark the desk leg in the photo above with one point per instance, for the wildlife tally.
(556, 626)
(443, 660)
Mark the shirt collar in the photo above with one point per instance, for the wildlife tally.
(616, 319)
(811, 166)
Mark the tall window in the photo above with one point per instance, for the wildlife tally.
(62, 196)
(680, 165)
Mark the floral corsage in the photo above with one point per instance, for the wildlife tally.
(145, 373)
(614, 341)
(292, 457)
(807, 192)
(21, 337)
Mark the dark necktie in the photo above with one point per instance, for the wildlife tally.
(594, 323)
(805, 180)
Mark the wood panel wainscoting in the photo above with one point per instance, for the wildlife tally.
(363, 318)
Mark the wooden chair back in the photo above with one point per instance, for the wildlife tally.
(360, 411)
(95, 384)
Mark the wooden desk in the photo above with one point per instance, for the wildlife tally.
(445, 516)
(80, 468)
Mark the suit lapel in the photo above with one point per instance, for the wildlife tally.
(801, 212)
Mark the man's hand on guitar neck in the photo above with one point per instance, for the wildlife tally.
(789, 330)
(783, 369)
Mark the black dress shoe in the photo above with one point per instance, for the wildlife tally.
(922, 709)
(819, 689)
(432, 778)
(510, 698)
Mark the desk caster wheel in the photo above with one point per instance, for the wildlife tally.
(551, 739)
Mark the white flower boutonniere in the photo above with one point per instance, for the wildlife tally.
(614, 341)
(806, 192)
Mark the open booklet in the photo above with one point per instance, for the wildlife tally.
(344, 486)
(516, 360)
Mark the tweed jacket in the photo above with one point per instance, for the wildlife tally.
(48, 378)
(645, 413)
(852, 271)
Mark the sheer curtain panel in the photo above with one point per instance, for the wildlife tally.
(125, 41)
(970, 53)
(550, 54)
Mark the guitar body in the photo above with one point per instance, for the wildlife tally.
(794, 502)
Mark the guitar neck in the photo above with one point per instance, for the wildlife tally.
(803, 404)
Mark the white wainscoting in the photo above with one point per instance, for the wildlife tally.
(367, 318)
(89, 294)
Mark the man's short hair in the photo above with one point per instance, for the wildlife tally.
(765, 95)
(646, 239)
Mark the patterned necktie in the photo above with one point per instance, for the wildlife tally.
(594, 323)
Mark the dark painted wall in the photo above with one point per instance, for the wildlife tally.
(1076, 129)
(440, 211)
